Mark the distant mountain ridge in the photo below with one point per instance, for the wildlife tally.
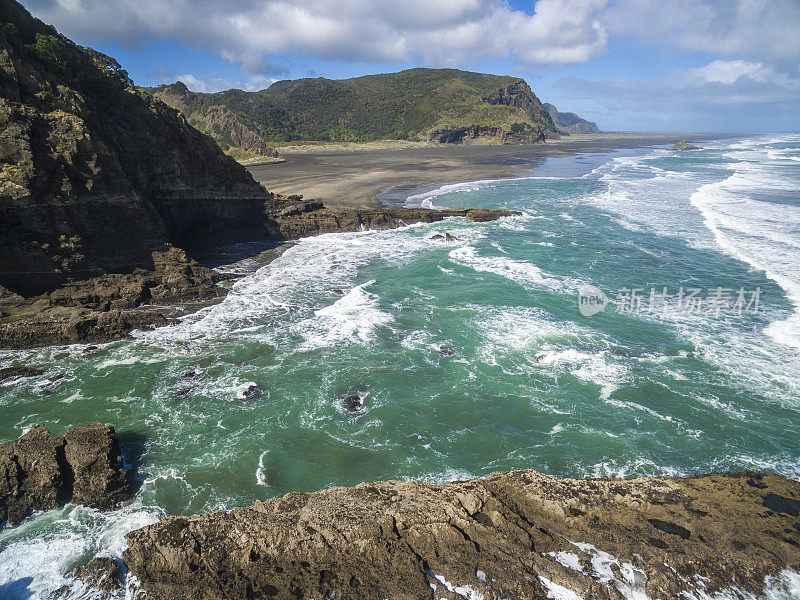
(570, 123)
(444, 105)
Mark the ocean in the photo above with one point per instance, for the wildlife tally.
(640, 317)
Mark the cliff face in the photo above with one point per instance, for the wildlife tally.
(520, 535)
(445, 105)
(216, 121)
(94, 174)
(570, 122)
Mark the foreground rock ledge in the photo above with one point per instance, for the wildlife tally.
(41, 471)
(512, 535)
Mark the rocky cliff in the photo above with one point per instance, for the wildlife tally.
(95, 174)
(521, 535)
(569, 123)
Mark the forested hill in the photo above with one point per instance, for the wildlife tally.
(446, 105)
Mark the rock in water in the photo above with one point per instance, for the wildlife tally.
(17, 372)
(249, 392)
(511, 535)
(354, 403)
(684, 145)
(41, 471)
(104, 574)
(34, 475)
(100, 478)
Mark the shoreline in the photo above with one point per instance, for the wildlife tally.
(107, 308)
(368, 175)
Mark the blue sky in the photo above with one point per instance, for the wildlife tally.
(629, 65)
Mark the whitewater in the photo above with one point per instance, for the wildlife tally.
(470, 356)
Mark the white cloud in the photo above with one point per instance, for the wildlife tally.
(728, 72)
(762, 30)
(425, 31)
(217, 84)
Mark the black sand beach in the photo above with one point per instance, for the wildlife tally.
(359, 175)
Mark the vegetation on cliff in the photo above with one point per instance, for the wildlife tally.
(96, 174)
(416, 104)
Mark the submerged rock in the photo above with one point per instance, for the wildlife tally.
(684, 145)
(354, 403)
(446, 351)
(511, 535)
(249, 392)
(41, 471)
(18, 372)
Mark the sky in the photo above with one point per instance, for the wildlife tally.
(628, 65)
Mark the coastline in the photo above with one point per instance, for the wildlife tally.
(365, 174)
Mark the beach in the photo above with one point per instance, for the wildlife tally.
(377, 173)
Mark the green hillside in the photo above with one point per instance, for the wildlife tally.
(445, 105)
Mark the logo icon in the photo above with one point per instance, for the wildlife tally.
(591, 300)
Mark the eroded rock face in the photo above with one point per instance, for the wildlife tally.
(96, 174)
(41, 471)
(511, 535)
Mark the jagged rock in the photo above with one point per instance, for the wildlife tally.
(104, 574)
(100, 478)
(505, 536)
(446, 351)
(34, 475)
(41, 471)
(684, 145)
(449, 238)
(17, 372)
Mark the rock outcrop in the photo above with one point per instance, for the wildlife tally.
(41, 471)
(95, 174)
(570, 123)
(107, 307)
(512, 535)
(301, 220)
(682, 144)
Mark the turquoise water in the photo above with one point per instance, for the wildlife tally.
(531, 382)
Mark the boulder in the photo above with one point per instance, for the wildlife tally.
(41, 471)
